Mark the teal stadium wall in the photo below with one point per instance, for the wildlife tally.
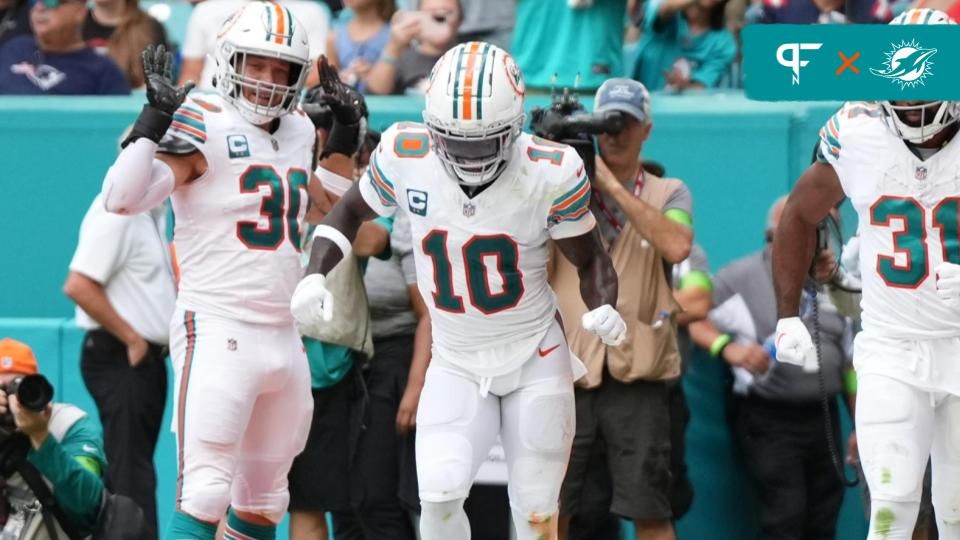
(737, 156)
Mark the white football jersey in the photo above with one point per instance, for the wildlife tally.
(482, 262)
(908, 212)
(238, 226)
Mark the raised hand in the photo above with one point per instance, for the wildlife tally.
(347, 104)
(162, 93)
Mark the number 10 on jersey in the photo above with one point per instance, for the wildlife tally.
(474, 252)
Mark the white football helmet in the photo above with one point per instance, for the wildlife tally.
(919, 122)
(474, 111)
(266, 29)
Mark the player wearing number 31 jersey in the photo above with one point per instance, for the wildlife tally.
(482, 200)
(237, 166)
(898, 164)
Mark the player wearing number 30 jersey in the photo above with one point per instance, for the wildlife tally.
(237, 166)
(482, 200)
(898, 163)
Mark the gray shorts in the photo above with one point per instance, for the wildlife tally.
(621, 460)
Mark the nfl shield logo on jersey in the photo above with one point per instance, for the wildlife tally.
(469, 209)
(417, 201)
(920, 173)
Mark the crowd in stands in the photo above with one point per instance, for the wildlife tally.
(387, 47)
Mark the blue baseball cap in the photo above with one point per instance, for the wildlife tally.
(625, 95)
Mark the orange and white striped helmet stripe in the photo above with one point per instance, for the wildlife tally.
(280, 22)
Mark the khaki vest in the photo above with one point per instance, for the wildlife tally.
(645, 302)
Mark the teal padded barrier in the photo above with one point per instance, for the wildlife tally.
(736, 156)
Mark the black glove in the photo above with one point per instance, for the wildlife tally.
(346, 106)
(163, 96)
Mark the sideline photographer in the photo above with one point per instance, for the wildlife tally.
(57, 440)
(623, 400)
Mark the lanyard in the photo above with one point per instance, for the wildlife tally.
(637, 188)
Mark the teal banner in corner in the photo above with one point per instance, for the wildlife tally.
(788, 62)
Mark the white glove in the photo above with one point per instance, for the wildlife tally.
(311, 304)
(605, 323)
(794, 344)
(948, 284)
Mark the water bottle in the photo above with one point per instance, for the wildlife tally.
(770, 345)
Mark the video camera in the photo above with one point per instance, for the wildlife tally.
(34, 392)
(567, 121)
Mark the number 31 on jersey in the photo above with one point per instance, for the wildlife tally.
(912, 240)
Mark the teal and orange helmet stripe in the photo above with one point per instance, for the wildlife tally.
(190, 325)
(382, 185)
(573, 204)
(280, 24)
(472, 64)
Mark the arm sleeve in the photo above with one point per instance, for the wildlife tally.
(100, 249)
(387, 224)
(679, 205)
(377, 183)
(137, 181)
(695, 271)
(74, 466)
(569, 213)
(653, 23)
(717, 61)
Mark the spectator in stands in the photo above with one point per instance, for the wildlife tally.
(122, 282)
(776, 409)
(819, 12)
(122, 30)
(357, 46)
(14, 19)
(684, 45)
(488, 20)
(417, 40)
(55, 60)
(624, 398)
(209, 16)
(65, 448)
(569, 39)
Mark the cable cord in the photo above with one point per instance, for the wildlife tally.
(824, 399)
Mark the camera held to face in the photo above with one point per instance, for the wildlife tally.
(567, 121)
(34, 392)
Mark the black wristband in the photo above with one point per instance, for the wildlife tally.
(151, 124)
(342, 139)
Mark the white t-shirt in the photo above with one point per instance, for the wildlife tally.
(209, 16)
(130, 257)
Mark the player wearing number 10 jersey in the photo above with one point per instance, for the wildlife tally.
(482, 200)
(237, 166)
(899, 164)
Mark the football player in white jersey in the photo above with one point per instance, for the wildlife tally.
(237, 167)
(898, 164)
(483, 199)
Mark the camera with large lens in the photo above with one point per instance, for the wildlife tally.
(567, 121)
(34, 392)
